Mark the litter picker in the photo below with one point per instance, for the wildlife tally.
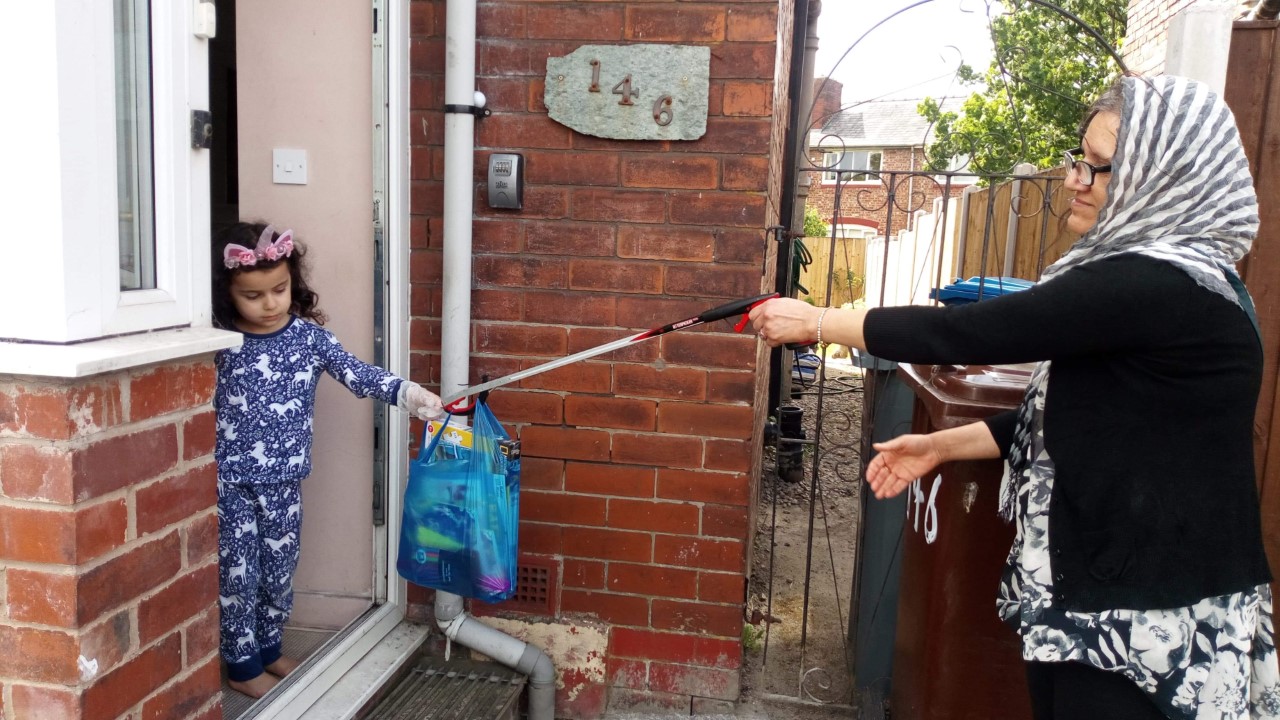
(727, 310)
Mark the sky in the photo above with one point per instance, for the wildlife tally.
(905, 56)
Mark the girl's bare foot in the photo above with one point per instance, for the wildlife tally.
(255, 687)
(282, 666)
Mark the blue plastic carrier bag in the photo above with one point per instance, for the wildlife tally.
(461, 509)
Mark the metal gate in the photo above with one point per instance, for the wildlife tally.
(823, 593)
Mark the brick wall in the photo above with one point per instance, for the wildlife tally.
(1145, 35)
(639, 468)
(108, 546)
(869, 201)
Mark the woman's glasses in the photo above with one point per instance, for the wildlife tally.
(1084, 171)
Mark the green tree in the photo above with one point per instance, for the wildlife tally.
(1045, 71)
(813, 224)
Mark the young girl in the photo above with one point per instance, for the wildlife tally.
(265, 401)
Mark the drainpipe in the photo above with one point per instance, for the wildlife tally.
(455, 343)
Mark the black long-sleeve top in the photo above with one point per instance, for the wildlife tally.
(1148, 419)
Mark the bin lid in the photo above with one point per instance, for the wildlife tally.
(962, 291)
(956, 395)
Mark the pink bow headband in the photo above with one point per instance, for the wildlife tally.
(234, 256)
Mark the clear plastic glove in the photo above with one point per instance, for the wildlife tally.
(419, 401)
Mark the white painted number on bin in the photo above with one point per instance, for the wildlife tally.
(915, 499)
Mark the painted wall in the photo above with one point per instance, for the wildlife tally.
(304, 81)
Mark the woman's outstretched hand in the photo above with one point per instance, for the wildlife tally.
(900, 461)
(785, 320)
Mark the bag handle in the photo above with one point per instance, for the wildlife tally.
(425, 449)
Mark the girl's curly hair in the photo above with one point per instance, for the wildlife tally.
(305, 301)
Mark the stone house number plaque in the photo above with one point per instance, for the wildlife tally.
(631, 92)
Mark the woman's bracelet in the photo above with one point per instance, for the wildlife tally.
(820, 316)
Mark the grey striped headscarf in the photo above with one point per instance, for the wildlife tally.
(1180, 191)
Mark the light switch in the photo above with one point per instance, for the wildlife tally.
(289, 167)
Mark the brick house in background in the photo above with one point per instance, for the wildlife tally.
(878, 135)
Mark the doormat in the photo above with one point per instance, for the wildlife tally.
(456, 690)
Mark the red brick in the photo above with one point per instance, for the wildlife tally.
(616, 609)
(722, 588)
(710, 350)
(722, 620)
(745, 173)
(720, 281)
(721, 488)
(521, 271)
(692, 172)
(177, 602)
(521, 339)
(200, 536)
(729, 421)
(731, 455)
(572, 239)
(626, 702)
(568, 168)
(119, 462)
(522, 130)
(182, 698)
(685, 680)
(609, 479)
(652, 580)
(660, 23)
(747, 98)
(541, 539)
(578, 378)
(540, 408)
(41, 598)
(568, 308)
(580, 698)
(648, 312)
(576, 23)
(739, 246)
(663, 517)
(671, 244)
(608, 544)
(199, 435)
(131, 575)
(744, 60)
(724, 521)
(424, 334)
(127, 685)
(587, 574)
(45, 703)
(34, 535)
(674, 647)
(582, 338)
(169, 388)
(497, 236)
(42, 412)
(615, 276)
(500, 21)
(663, 450)
(727, 555)
(566, 443)
(177, 498)
(645, 381)
(732, 387)
(752, 24)
(38, 655)
(202, 637)
(36, 473)
(562, 509)
(108, 642)
(608, 205)
(632, 674)
(496, 304)
(734, 136)
(610, 412)
(541, 474)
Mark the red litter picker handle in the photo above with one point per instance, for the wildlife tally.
(746, 317)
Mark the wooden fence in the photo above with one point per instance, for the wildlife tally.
(847, 272)
(1253, 92)
(1036, 219)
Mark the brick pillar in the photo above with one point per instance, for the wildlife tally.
(108, 545)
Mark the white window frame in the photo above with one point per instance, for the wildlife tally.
(851, 159)
(60, 190)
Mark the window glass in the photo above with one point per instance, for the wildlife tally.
(133, 144)
(851, 160)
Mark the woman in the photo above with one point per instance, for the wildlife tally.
(1137, 577)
